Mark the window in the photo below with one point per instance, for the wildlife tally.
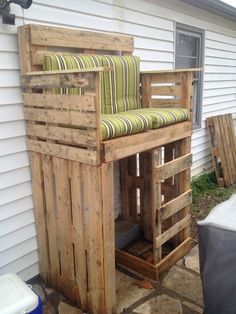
(189, 54)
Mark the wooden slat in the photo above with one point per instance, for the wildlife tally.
(64, 225)
(172, 71)
(138, 265)
(173, 167)
(175, 205)
(223, 146)
(51, 216)
(63, 151)
(64, 37)
(72, 136)
(187, 90)
(166, 90)
(165, 77)
(167, 235)
(24, 49)
(76, 182)
(145, 168)
(145, 91)
(166, 103)
(108, 191)
(83, 79)
(129, 145)
(124, 188)
(93, 219)
(170, 260)
(39, 213)
(79, 119)
(70, 102)
(156, 203)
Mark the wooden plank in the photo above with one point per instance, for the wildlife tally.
(108, 235)
(64, 37)
(167, 77)
(129, 145)
(64, 226)
(173, 206)
(63, 151)
(93, 220)
(79, 119)
(67, 135)
(145, 168)
(124, 188)
(81, 78)
(51, 216)
(183, 180)
(156, 204)
(70, 102)
(173, 167)
(61, 73)
(172, 71)
(39, 213)
(171, 259)
(187, 90)
(145, 91)
(77, 209)
(167, 235)
(166, 90)
(24, 49)
(137, 264)
(166, 103)
(132, 191)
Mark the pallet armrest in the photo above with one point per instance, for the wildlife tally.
(61, 78)
(171, 71)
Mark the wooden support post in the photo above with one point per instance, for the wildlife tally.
(156, 205)
(145, 165)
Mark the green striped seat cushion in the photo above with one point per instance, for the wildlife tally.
(164, 116)
(119, 89)
(115, 125)
(122, 84)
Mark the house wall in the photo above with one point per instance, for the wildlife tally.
(152, 26)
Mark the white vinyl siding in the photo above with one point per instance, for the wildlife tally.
(152, 26)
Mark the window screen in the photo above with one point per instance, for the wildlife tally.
(189, 54)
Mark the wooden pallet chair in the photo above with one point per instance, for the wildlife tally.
(72, 151)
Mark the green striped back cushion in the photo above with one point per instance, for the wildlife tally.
(123, 83)
(119, 88)
(58, 62)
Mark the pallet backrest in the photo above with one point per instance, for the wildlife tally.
(36, 41)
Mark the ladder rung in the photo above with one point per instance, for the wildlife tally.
(173, 167)
(175, 205)
(168, 234)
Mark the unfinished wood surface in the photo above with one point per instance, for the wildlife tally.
(156, 205)
(173, 206)
(65, 102)
(81, 78)
(40, 217)
(166, 90)
(129, 145)
(79, 248)
(137, 264)
(171, 259)
(63, 151)
(64, 37)
(165, 103)
(93, 218)
(165, 236)
(51, 217)
(187, 90)
(145, 166)
(77, 137)
(173, 167)
(107, 173)
(223, 144)
(78, 119)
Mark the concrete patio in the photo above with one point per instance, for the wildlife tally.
(178, 292)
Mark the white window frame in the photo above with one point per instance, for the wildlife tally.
(199, 33)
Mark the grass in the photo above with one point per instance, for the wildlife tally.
(206, 193)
